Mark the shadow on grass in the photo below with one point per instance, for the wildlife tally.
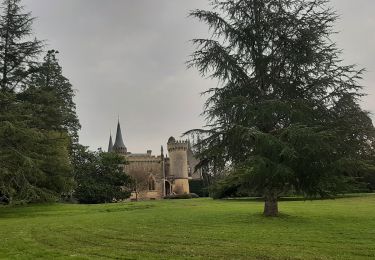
(57, 209)
(128, 207)
(257, 218)
(299, 198)
(9, 211)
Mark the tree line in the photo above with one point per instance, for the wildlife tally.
(40, 155)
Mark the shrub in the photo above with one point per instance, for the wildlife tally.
(182, 196)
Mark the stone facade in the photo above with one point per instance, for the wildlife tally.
(178, 166)
(147, 170)
(158, 176)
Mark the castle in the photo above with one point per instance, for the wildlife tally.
(157, 176)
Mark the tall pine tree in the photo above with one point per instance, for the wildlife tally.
(50, 95)
(38, 122)
(285, 115)
(47, 100)
(18, 53)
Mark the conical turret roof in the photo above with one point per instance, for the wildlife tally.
(119, 142)
(110, 145)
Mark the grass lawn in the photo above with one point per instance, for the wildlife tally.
(191, 229)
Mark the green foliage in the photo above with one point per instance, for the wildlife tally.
(182, 196)
(50, 98)
(18, 54)
(198, 187)
(38, 123)
(100, 177)
(285, 115)
(231, 186)
(34, 164)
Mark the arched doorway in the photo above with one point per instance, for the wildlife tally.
(168, 188)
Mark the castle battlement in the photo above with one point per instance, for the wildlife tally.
(156, 175)
(174, 144)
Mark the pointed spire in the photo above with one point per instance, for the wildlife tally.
(119, 145)
(110, 145)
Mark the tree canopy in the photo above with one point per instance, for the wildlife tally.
(100, 177)
(38, 121)
(18, 51)
(285, 115)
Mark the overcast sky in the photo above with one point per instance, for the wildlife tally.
(126, 58)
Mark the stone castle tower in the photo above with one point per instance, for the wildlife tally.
(178, 165)
(158, 176)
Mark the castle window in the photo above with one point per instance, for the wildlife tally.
(151, 183)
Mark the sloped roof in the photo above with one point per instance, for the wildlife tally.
(119, 142)
(110, 145)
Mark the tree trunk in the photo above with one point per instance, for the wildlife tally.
(271, 208)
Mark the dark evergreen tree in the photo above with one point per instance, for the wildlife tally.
(18, 54)
(50, 97)
(38, 123)
(34, 164)
(17, 58)
(285, 115)
(100, 177)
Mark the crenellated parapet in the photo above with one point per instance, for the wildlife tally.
(176, 145)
